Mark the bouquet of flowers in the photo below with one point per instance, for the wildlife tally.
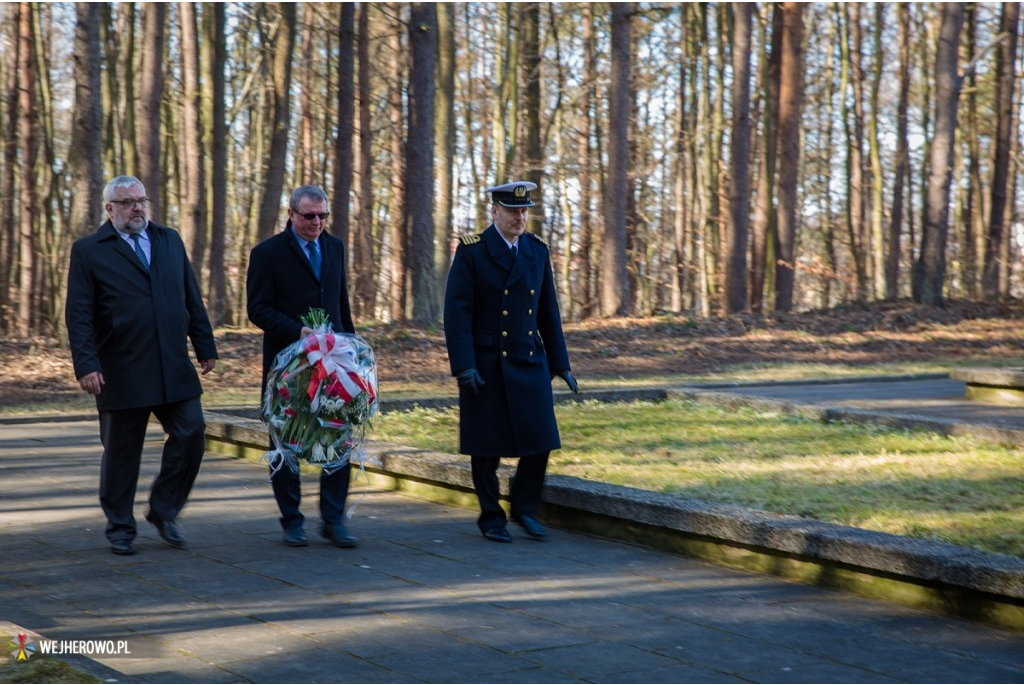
(320, 398)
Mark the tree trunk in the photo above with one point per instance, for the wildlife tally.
(680, 218)
(85, 157)
(1006, 60)
(853, 124)
(503, 135)
(762, 257)
(346, 123)
(585, 274)
(28, 144)
(615, 295)
(215, 130)
(149, 147)
(739, 160)
(193, 173)
(9, 231)
(902, 162)
(930, 269)
(279, 95)
(305, 170)
(398, 209)
(790, 96)
(533, 170)
(419, 168)
(445, 138)
(362, 259)
(875, 157)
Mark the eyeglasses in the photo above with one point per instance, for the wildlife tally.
(131, 202)
(309, 216)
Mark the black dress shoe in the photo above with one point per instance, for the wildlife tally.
(122, 547)
(532, 527)
(497, 534)
(295, 537)
(338, 535)
(169, 531)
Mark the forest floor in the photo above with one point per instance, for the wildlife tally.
(895, 337)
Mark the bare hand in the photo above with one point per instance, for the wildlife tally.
(207, 365)
(306, 332)
(92, 383)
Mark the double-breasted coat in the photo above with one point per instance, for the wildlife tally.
(501, 317)
(281, 287)
(135, 326)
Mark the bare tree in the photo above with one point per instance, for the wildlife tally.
(790, 98)
(1006, 59)
(529, 13)
(85, 157)
(930, 267)
(346, 122)
(615, 295)
(445, 138)
(192, 175)
(278, 92)
(28, 143)
(362, 257)
(9, 230)
(214, 120)
(739, 156)
(398, 210)
(419, 168)
(902, 166)
(149, 161)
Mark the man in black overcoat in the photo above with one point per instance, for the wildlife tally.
(505, 345)
(133, 305)
(299, 269)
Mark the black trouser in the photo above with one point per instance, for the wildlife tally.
(525, 489)
(123, 433)
(333, 493)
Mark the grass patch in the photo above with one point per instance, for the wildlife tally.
(41, 669)
(913, 483)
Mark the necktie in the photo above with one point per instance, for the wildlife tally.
(139, 251)
(515, 250)
(314, 257)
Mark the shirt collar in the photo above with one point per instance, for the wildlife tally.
(143, 234)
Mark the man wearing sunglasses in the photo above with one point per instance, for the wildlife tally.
(299, 269)
(133, 304)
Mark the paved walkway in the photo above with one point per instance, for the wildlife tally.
(424, 598)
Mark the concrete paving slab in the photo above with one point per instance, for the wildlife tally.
(424, 598)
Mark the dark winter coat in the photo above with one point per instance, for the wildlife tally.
(134, 326)
(501, 317)
(281, 287)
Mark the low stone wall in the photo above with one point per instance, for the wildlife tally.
(937, 576)
(995, 386)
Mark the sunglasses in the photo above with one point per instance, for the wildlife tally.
(309, 216)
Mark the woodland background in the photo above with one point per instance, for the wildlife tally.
(699, 158)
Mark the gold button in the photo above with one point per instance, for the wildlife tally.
(531, 292)
(505, 354)
(529, 311)
(504, 334)
(504, 312)
(506, 292)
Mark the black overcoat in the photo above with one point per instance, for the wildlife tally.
(281, 287)
(501, 317)
(134, 326)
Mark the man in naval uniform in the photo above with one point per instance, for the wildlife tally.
(505, 345)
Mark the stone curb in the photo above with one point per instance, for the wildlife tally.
(935, 575)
